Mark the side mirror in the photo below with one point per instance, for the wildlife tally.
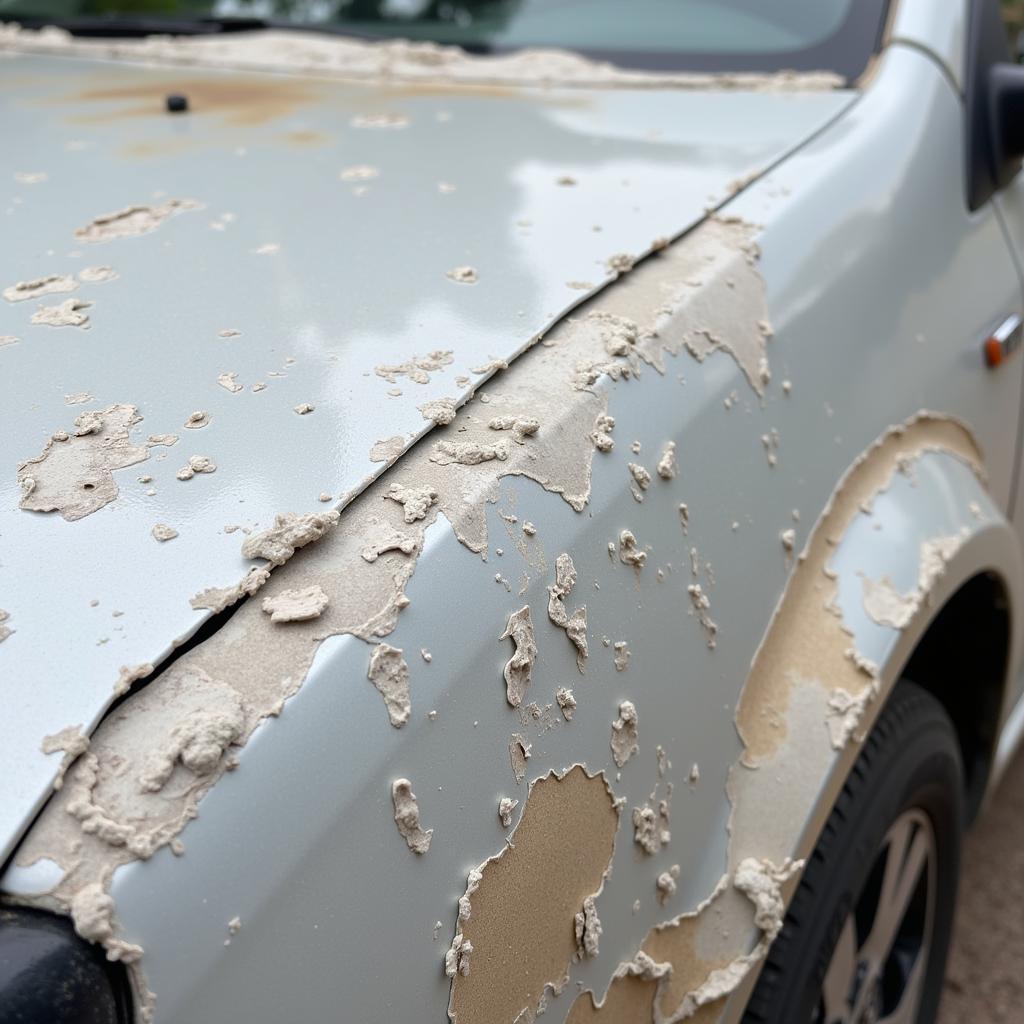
(1006, 116)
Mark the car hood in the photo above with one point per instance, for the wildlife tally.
(288, 268)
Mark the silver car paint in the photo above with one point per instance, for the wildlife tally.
(359, 282)
(178, 908)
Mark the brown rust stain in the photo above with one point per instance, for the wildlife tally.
(521, 921)
(804, 640)
(236, 100)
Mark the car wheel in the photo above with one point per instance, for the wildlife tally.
(867, 932)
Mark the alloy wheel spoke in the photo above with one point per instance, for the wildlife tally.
(838, 981)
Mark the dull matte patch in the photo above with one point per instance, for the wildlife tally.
(523, 909)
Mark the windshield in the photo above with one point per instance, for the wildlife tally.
(713, 35)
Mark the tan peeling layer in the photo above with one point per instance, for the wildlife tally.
(365, 598)
(522, 922)
(52, 283)
(575, 625)
(804, 640)
(407, 817)
(132, 221)
(66, 314)
(389, 673)
(398, 61)
(518, 670)
(74, 476)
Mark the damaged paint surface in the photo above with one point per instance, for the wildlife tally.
(407, 817)
(85, 124)
(74, 475)
(556, 861)
(645, 962)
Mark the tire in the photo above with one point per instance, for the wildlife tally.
(904, 793)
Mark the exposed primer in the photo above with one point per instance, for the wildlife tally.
(74, 476)
(407, 817)
(396, 60)
(132, 220)
(519, 754)
(66, 314)
(417, 369)
(506, 805)
(73, 742)
(440, 411)
(575, 625)
(667, 466)
(290, 531)
(163, 532)
(48, 285)
(566, 702)
(624, 734)
(389, 673)
(296, 605)
(518, 670)
(556, 860)
(587, 929)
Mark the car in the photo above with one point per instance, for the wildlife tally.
(509, 512)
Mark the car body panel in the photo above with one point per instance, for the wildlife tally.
(882, 316)
(359, 282)
(943, 35)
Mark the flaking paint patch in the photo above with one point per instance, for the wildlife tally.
(388, 449)
(575, 625)
(625, 742)
(72, 742)
(523, 909)
(407, 817)
(75, 476)
(518, 754)
(290, 531)
(389, 673)
(48, 285)
(396, 60)
(417, 369)
(518, 671)
(132, 220)
(65, 314)
(667, 465)
(440, 411)
(365, 599)
(297, 605)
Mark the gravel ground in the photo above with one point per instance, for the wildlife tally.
(985, 976)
